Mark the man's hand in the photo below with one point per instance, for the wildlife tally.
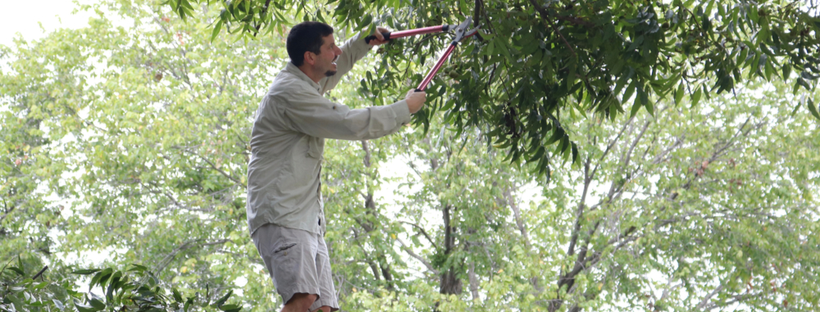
(379, 37)
(415, 100)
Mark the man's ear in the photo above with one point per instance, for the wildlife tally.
(310, 58)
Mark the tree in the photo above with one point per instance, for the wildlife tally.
(537, 62)
(147, 128)
(687, 208)
(107, 125)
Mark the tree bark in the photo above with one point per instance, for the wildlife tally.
(449, 283)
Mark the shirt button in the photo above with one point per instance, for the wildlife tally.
(320, 221)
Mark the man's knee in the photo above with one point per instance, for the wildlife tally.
(300, 302)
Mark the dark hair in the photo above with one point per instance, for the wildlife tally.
(306, 36)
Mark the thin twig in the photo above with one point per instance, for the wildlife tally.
(262, 15)
(546, 16)
(39, 273)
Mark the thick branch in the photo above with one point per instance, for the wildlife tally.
(473, 281)
(366, 154)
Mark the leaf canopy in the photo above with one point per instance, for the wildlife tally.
(538, 61)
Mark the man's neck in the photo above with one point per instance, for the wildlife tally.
(310, 73)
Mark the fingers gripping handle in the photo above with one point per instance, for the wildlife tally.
(373, 37)
(411, 32)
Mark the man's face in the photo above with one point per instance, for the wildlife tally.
(326, 60)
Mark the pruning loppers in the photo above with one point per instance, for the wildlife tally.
(461, 30)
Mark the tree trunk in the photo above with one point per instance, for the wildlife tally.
(450, 283)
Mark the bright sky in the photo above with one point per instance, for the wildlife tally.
(25, 17)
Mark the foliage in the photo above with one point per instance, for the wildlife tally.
(122, 149)
(538, 62)
(25, 286)
(133, 290)
(140, 133)
(137, 289)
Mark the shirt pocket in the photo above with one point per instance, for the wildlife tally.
(315, 147)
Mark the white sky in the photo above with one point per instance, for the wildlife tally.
(25, 18)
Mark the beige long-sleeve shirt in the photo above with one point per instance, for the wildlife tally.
(288, 138)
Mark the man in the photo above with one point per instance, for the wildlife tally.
(285, 210)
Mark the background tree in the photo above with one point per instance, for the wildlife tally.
(537, 61)
(687, 208)
(113, 107)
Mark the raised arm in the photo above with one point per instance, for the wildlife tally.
(353, 50)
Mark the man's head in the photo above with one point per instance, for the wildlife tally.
(313, 49)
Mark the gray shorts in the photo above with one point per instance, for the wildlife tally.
(298, 262)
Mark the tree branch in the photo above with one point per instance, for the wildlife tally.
(262, 14)
(185, 246)
(39, 273)
(517, 214)
(546, 16)
(417, 257)
(708, 297)
(370, 262)
(423, 232)
(220, 170)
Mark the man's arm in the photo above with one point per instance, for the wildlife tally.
(352, 51)
(308, 112)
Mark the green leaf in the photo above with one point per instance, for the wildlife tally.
(97, 304)
(177, 296)
(813, 109)
(365, 22)
(230, 308)
(557, 134)
(630, 90)
(17, 270)
(650, 108)
(803, 83)
(538, 154)
(85, 308)
(679, 94)
(216, 30)
(86, 271)
(222, 300)
(575, 154)
(636, 106)
(696, 97)
(138, 268)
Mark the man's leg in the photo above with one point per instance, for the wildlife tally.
(327, 293)
(290, 255)
(300, 302)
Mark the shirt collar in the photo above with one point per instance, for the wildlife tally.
(301, 75)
